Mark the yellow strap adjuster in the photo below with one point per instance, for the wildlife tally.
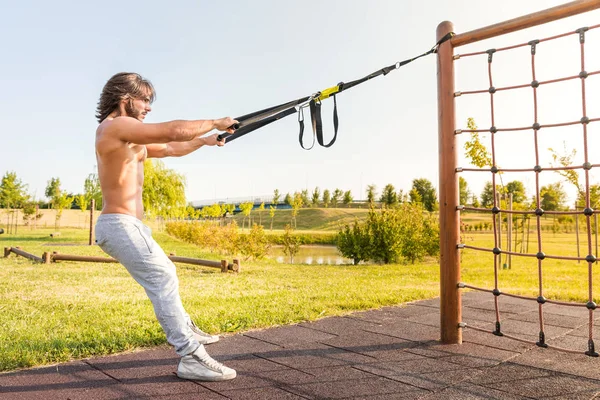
(328, 92)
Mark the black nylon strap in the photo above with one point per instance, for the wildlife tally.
(249, 128)
(253, 120)
(301, 135)
(317, 122)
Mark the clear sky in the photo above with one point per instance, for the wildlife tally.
(213, 59)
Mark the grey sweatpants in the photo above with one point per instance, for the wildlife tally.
(130, 242)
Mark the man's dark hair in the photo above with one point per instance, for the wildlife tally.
(124, 85)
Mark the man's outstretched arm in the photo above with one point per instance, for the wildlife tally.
(178, 149)
(133, 131)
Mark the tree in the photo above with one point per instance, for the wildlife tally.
(246, 210)
(336, 197)
(276, 197)
(475, 201)
(291, 243)
(261, 208)
(348, 199)
(13, 192)
(570, 175)
(163, 192)
(82, 202)
(475, 151)
(297, 202)
(304, 195)
(518, 191)
(316, 195)
(487, 195)
(402, 197)
(594, 197)
(52, 190)
(288, 199)
(552, 197)
(389, 196)
(326, 198)
(272, 214)
(61, 202)
(91, 190)
(415, 197)
(427, 193)
(371, 193)
(463, 191)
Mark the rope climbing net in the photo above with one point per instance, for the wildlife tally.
(451, 245)
(537, 169)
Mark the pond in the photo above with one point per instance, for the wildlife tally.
(311, 254)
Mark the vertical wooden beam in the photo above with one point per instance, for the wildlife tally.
(92, 206)
(450, 305)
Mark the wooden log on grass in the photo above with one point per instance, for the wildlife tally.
(18, 251)
(223, 265)
(70, 257)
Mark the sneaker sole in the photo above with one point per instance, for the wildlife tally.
(204, 340)
(207, 378)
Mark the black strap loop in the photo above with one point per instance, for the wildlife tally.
(317, 122)
(301, 136)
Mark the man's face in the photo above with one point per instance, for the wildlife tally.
(138, 108)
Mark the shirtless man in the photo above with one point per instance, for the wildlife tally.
(123, 142)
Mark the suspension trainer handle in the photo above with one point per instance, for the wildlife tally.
(225, 134)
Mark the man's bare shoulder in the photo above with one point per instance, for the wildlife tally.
(107, 138)
(112, 126)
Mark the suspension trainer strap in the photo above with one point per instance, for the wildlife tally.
(254, 120)
(301, 136)
(317, 122)
(266, 121)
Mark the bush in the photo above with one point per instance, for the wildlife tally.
(291, 244)
(355, 242)
(254, 245)
(391, 234)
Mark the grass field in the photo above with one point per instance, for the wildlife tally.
(68, 310)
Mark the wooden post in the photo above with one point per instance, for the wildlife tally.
(224, 266)
(236, 265)
(509, 219)
(47, 257)
(92, 221)
(499, 225)
(450, 304)
(596, 235)
(6, 252)
(577, 232)
(16, 220)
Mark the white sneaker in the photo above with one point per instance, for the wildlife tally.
(199, 366)
(201, 336)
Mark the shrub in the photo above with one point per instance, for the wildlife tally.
(354, 242)
(391, 234)
(291, 244)
(254, 245)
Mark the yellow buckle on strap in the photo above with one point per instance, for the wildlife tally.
(328, 92)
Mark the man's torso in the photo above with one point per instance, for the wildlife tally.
(121, 173)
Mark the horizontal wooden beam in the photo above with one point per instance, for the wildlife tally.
(526, 21)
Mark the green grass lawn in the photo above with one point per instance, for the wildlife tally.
(70, 310)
